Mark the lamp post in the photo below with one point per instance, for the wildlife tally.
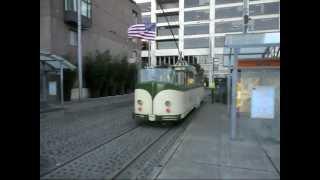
(79, 50)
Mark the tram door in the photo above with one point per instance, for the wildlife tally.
(221, 90)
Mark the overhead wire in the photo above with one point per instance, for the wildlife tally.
(170, 27)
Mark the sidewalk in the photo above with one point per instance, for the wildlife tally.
(205, 150)
(85, 103)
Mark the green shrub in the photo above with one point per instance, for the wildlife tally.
(108, 75)
(69, 78)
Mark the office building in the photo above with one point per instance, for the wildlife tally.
(200, 27)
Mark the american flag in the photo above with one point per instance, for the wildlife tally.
(145, 31)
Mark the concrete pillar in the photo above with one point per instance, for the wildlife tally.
(181, 27)
(153, 43)
(233, 114)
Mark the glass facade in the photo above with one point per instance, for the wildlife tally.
(196, 15)
(193, 43)
(72, 5)
(219, 41)
(167, 44)
(145, 7)
(230, 26)
(167, 60)
(194, 29)
(196, 3)
(265, 24)
(266, 8)
(165, 31)
(172, 17)
(146, 19)
(229, 12)
(227, 1)
(196, 23)
(168, 5)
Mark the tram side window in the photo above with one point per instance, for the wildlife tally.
(190, 79)
(180, 78)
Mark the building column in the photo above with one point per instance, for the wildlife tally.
(212, 37)
(181, 27)
(153, 43)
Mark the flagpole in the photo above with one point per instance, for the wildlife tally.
(149, 56)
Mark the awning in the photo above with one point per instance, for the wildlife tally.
(55, 61)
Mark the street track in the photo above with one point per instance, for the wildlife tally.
(109, 159)
(84, 153)
(63, 138)
(129, 155)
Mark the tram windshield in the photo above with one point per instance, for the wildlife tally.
(158, 75)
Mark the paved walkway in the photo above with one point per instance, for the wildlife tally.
(206, 152)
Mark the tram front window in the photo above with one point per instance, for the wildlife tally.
(158, 75)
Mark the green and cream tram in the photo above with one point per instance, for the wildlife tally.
(167, 94)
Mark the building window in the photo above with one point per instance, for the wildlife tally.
(229, 12)
(145, 7)
(228, 1)
(144, 61)
(73, 38)
(86, 8)
(172, 17)
(167, 59)
(167, 44)
(193, 43)
(72, 5)
(230, 26)
(196, 3)
(144, 45)
(219, 41)
(168, 5)
(165, 30)
(196, 15)
(265, 24)
(196, 29)
(134, 54)
(266, 8)
(135, 16)
(146, 19)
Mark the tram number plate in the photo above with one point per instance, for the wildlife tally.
(152, 117)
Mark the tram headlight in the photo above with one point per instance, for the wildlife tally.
(140, 102)
(167, 103)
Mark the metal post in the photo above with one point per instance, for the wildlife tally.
(233, 114)
(228, 93)
(149, 56)
(245, 15)
(79, 50)
(44, 83)
(213, 90)
(61, 84)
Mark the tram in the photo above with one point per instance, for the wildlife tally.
(167, 93)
